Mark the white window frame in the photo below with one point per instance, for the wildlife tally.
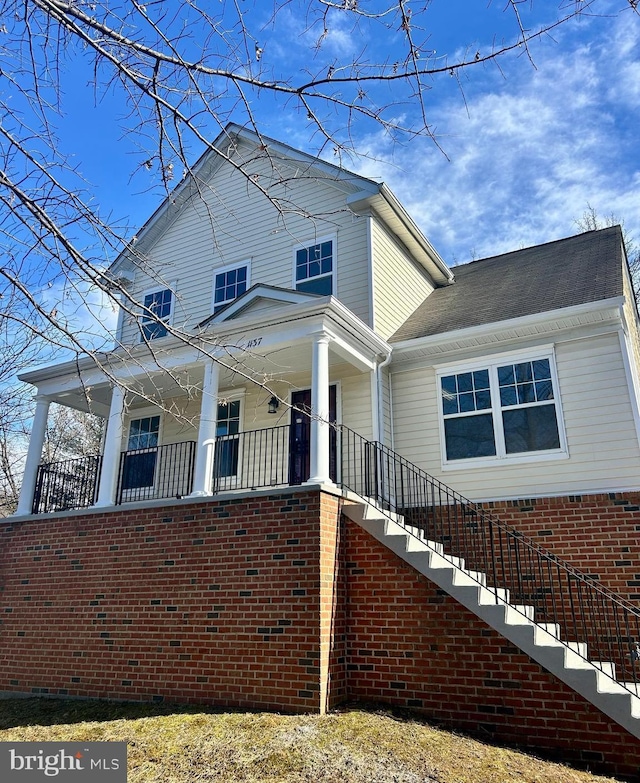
(334, 256)
(491, 363)
(229, 482)
(148, 412)
(168, 320)
(223, 270)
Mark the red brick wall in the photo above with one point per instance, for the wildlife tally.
(598, 534)
(412, 645)
(267, 602)
(206, 602)
(332, 607)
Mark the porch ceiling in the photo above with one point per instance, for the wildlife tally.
(237, 370)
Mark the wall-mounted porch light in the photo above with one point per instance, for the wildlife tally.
(273, 405)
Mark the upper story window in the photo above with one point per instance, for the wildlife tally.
(503, 410)
(157, 313)
(315, 268)
(229, 283)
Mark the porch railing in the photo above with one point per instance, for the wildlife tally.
(158, 472)
(61, 486)
(583, 610)
(248, 460)
(252, 460)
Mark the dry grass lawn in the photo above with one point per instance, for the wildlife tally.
(169, 744)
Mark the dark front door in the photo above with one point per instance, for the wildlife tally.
(300, 436)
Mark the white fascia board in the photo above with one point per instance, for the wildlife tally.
(330, 171)
(402, 351)
(326, 305)
(353, 339)
(169, 207)
(259, 291)
(402, 225)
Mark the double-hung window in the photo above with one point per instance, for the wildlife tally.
(315, 268)
(156, 314)
(227, 440)
(139, 465)
(229, 283)
(503, 409)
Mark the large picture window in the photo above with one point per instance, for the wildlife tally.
(157, 313)
(504, 409)
(314, 268)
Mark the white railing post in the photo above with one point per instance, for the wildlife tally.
(205, 449)
(112, 447)
(34, 454)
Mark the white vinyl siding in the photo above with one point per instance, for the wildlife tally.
(399, 286)
(598, 418)
(230, 221)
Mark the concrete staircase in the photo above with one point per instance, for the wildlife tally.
(594, 680)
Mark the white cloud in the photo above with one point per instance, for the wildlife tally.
(85, 311)
(533, 150)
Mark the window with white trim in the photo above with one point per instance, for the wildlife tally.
(139, 464)
(504, 409)
(227, 440)
(315, 268)
(156, 314)
(229, 284)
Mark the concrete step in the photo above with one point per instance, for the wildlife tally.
(568, 660)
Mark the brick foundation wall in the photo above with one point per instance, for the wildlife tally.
(267, 602)
(598, 534)
(212, 602)
(412, 645)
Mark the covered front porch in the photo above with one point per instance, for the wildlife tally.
(258, 399)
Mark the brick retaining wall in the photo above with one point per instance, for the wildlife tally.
(412, 645)
(267, 602)
(214, 602)
(598, 534)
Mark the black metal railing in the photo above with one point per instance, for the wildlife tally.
(583, 610)
(158, 472)
(61, 486)
(253, 459)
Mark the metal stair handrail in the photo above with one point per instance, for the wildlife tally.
(563, 597)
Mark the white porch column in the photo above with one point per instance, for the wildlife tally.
(112, 448)
(34, 454)
(319, 457)
(203, 473)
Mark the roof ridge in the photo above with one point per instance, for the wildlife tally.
(541, 245)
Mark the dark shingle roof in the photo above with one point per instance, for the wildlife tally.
(567, 272)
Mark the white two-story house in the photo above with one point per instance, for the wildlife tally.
(285, 324)
(508, 377)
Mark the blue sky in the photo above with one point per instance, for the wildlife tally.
(526, 149)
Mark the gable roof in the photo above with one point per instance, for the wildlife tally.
(260, 292)
(572, 271)
(360, 193)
